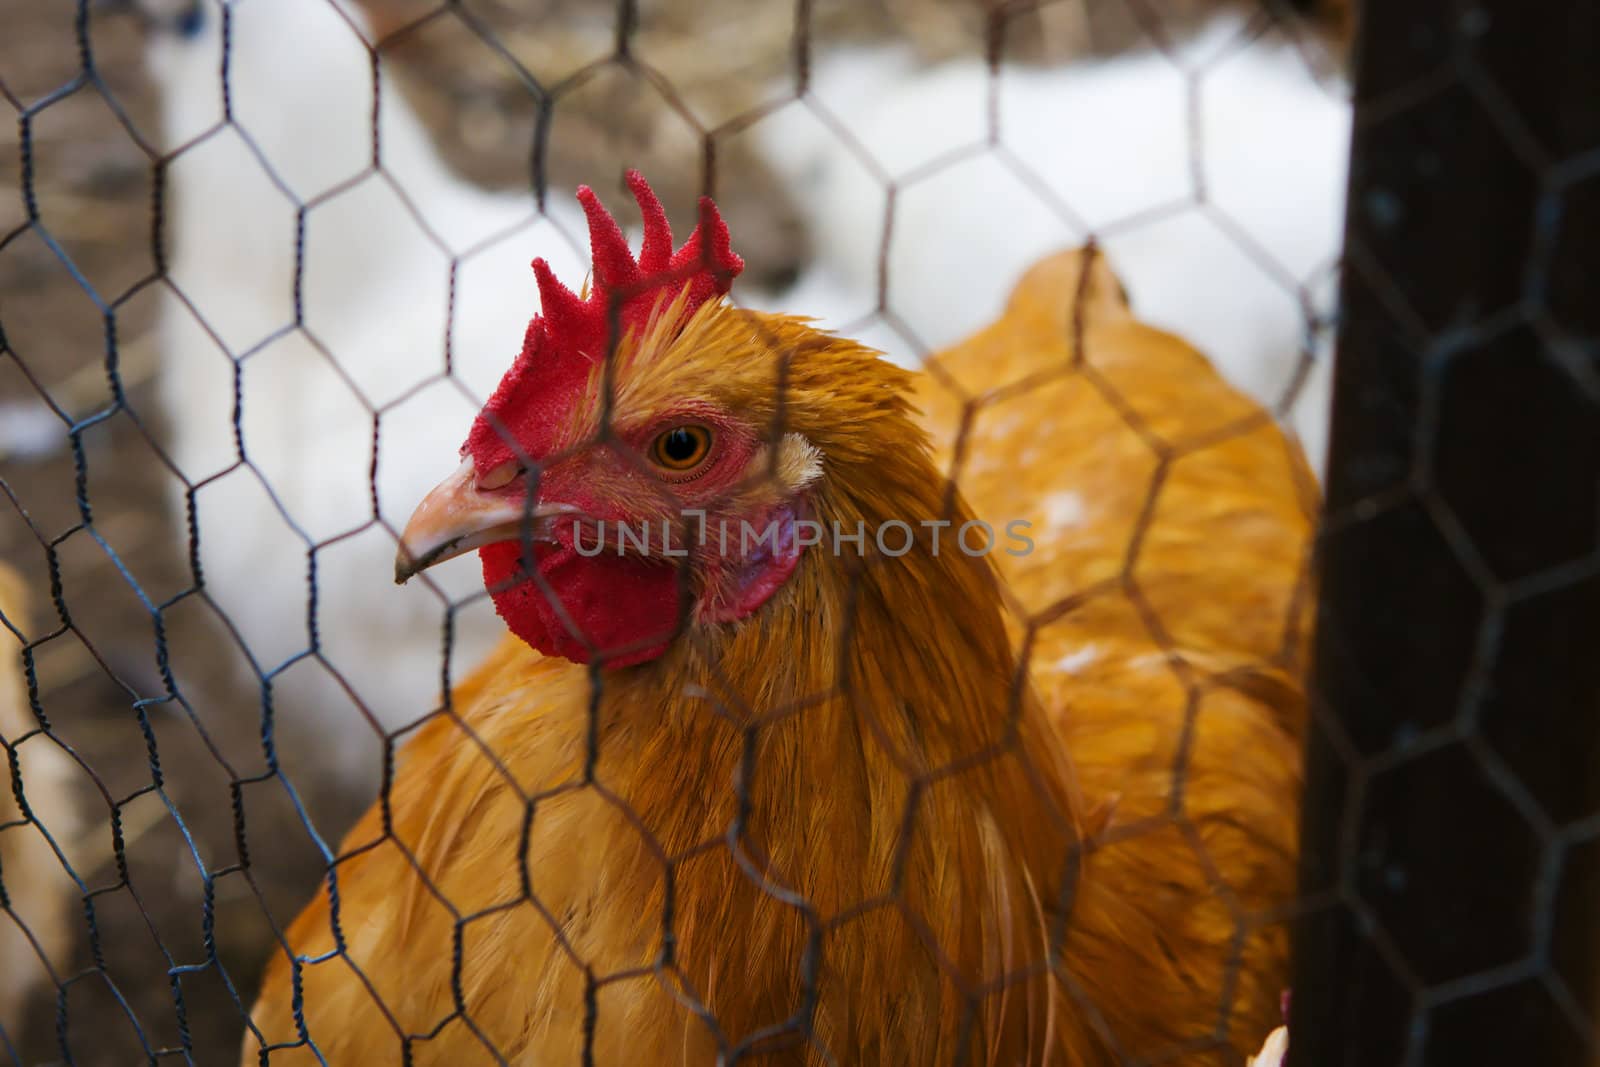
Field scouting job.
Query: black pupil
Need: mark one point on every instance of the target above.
(680, 446)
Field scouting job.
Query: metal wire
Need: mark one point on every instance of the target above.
(1448, 848)
(1450, 809)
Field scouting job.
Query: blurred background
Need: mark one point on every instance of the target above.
(209, 737)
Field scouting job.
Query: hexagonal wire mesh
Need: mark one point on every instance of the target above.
(1447, 872)
(334, 304)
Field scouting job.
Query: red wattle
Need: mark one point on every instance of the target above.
(627, 607)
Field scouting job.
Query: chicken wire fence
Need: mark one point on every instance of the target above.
(249, 315)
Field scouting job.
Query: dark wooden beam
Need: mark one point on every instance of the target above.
(1451, 838)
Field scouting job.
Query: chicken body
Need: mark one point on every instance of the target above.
(37, 888)
(1168, 596)
(305, 356)
(850, 828)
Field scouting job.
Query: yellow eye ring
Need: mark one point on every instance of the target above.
(681, 448)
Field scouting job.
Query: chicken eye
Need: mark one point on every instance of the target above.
(681, 448)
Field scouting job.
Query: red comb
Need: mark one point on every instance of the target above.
(571, 333)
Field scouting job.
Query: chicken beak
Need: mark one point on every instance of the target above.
(458, 516)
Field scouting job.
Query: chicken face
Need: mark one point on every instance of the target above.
(616, 488)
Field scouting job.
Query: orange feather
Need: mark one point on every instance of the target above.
(35, 924)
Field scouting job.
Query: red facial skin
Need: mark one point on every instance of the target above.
(615, 609)
(625, 609)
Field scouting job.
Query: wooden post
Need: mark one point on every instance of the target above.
(1451, 839)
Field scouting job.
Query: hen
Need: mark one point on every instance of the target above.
(863, 799)
(35, 888)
